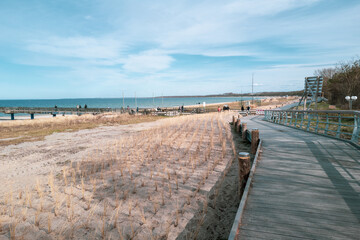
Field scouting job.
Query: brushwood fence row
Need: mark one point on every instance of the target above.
(246, 169)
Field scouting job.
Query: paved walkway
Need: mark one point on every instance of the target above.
(305, 187)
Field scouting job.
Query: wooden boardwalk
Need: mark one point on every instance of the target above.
(305, 186)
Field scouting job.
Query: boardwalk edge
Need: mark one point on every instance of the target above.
(239, 213)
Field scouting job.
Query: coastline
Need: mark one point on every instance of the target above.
(265, 103)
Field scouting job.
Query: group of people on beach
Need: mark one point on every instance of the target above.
(226, 107)
(79, 106)
(247, 108)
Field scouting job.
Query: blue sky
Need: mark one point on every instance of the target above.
(78, 49)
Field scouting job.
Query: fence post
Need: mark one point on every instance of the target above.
(243, 131)
(355, 134)
(327, 124)
(317, 123)
(244, 168)
(309, 122)
(254, 139)
(302, 120)
(296, 119)
(338, 132)
(238, 122)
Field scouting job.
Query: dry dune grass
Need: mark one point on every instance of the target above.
(145, 186)
(14, 132)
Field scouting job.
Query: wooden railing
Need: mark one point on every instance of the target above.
(338, 124)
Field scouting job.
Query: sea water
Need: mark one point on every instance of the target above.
(119, 102)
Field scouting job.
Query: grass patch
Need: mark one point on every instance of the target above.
(320, 106)
(19, 131)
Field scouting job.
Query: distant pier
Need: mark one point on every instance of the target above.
(55, 111)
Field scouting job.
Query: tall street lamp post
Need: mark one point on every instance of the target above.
(350, 99)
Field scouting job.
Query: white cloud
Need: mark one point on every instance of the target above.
(265, 7)
(287, 76)
(78, 47)
(226, 52)
(147, 62)
(224, 22)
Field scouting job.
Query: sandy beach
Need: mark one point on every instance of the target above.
(139, 181)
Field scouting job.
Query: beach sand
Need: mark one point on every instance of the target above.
(157, 179)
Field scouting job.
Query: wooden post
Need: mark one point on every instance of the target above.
(238, 122)
(244, 168)
(243, 130)
(233, 121)
(254, 139)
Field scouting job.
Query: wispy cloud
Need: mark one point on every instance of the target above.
(265, 7)
(78, 47)
(147, 62)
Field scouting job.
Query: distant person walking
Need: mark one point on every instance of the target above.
(248, 108)
(85, 106)
(242, 108)
(182, 108)
(219, 109)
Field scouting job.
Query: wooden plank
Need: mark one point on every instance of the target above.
(305, 182)
(296, 231)
(315, 207)
(323, 231)
(302, 215)
(258, 234)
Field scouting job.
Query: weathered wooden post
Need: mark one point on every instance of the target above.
(244, 168)
(254, 139)
(233, 121)
(243, 131)
(238, 122)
